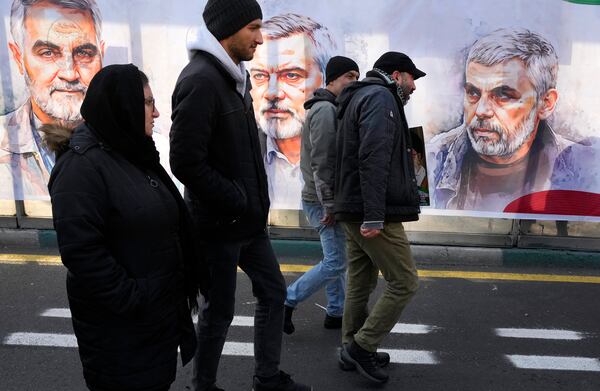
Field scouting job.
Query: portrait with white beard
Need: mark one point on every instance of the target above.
(285, 71)
(506, 147)
(57, 49)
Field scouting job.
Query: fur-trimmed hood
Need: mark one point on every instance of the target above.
(56, 137)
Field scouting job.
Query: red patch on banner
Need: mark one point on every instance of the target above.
(557, 202)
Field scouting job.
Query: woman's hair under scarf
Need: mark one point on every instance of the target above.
(113, 108)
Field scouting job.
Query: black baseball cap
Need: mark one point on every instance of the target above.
(396, 61)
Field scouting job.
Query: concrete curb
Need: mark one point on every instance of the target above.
(429, 255)
(309, 251)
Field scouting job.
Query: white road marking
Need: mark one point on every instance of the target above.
(69, 341)
(238, 349)
(541, 334)
(410, 328)
(57, 313)
(241, 321)
(403, 356)
(555, 363)
(41, 339)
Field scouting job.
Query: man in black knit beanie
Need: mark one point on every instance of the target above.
(215, 153)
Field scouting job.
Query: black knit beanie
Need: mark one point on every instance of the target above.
(337, 66)
(226, 17)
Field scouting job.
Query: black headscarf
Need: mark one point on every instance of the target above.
(113, 108)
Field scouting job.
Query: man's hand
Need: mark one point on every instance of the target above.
(328, 219)
(369, 232)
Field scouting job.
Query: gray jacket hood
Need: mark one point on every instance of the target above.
(201, 39)
(320, 95)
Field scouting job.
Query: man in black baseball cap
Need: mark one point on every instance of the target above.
(396, 61)
(375, 192)
(215, 153)
(401, 70)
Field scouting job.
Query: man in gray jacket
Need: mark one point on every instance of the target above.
(317, 162)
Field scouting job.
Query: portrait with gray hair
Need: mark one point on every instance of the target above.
(285, 71)
(57, 48)
(505, 147)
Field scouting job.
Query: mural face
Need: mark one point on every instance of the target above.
(284, 75)
(500, 109)
(58, 58)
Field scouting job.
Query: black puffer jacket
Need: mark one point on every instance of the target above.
(125, 243)
(375, 178)
(215, 151)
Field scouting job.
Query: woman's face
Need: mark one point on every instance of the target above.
(150, 109)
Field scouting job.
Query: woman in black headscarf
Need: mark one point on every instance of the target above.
(124, 236)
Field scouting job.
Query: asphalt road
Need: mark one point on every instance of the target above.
(457, 334)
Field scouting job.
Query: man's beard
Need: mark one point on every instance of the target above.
(504, 146)
(62, 108)
(241, 51)
(275, 127)
(404, 92)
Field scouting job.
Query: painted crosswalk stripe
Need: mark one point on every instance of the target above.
(404, 356)
(41, 339)
(240, 321)
(57, 313)
(230, 349)
(410, 328)
(541, 334)
(556, 363)
(69, 341)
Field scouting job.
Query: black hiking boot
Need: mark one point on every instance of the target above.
(364, 361)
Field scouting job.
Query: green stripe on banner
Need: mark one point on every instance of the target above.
(589, 2)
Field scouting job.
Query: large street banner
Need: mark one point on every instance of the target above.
(508, 112)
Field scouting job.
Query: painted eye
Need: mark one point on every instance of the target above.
(292, 76)
(46, 53)
(260, 76)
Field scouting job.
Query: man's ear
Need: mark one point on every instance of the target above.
(102, 48)
(17, 56)
(548, 103)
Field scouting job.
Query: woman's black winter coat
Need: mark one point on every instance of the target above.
(119, 234)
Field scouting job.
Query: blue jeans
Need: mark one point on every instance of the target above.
(330, 272)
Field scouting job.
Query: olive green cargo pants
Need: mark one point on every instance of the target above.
(388, 252)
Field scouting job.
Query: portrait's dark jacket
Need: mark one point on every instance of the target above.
(120, 235)
(215, 151)
(375, 178)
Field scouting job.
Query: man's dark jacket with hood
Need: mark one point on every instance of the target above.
(126, 240)
(374, 179)
(215, 151)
